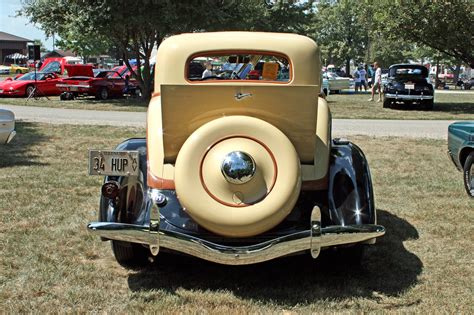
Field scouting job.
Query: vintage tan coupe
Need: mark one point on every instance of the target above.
(238, 165)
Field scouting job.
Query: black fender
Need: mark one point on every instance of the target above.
(127, 206)
(350, 192)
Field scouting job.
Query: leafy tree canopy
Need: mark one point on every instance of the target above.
(446, 26)
(134, 28)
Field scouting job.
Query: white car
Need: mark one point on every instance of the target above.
(7, 126)
(4, 69)
(336, 83)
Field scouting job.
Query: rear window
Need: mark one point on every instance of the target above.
(409, 71)
(254, 66)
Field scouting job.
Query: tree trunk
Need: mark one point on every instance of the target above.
(457, 70)
(437, 72)
(348, 67)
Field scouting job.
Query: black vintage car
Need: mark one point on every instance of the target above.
(408, 84)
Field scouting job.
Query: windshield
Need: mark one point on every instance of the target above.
(31, 76)
(53, 66)
(268, 67)
(105, 74)
(330, 75)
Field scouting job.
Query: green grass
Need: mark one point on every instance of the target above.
(456, 106)
(49, 262)
(447, 106)
(118, 104)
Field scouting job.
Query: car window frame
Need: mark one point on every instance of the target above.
(239, 52)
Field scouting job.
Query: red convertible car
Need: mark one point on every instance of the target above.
(103, 86)
(24, 85)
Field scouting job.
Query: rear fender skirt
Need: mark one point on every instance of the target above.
(350, 193)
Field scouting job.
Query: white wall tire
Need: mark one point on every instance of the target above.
(237, 210)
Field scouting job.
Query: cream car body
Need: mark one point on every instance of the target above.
(238, 165)
(7, 126)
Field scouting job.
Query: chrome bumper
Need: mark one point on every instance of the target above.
(313, 240)
(409, 97)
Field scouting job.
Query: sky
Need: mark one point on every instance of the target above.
(19, 26)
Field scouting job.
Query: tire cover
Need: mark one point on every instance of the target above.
(237, 210)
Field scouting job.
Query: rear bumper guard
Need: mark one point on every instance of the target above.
(313, 239)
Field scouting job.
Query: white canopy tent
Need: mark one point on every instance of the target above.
(15, 57)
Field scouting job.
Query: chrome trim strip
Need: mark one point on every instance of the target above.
(11, 136)
(240, 255)
(73, 85)
(409, 97)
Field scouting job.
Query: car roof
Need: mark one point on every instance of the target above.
(174, 53)
(407, 65)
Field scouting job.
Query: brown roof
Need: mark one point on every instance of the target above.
(65, 53)
(12, 38)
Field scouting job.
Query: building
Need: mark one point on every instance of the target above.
(10, 44)
(58, 53)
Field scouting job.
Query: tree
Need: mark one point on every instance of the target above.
(137, 28)
(445, 26)
(338, 26)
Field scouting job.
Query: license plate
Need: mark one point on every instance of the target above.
(1, 91)
(409, 86)
(73, 88)
(113, 163)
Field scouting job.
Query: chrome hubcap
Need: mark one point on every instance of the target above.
(238, 167)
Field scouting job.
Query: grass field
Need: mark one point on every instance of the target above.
(453, 106)
(119, 104)
(49, 263)
(447, 106)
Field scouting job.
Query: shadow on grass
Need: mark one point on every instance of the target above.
(454, 108)
(387, 268)
(17, 152)
(119, 102)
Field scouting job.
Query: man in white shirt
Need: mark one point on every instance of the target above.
(377, 83)
(208, 71)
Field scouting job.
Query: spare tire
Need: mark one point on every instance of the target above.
(225, 197)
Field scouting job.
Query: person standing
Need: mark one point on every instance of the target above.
(371, 75)
(363, 78)
(356, 75)
(377, 83)
(208, 71)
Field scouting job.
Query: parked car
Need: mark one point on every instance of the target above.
(408, 84)
(238, 170)
(57, 64)
(461, 151)
(122, 71)
(4, 69)
(25, 85)
(16, 69)
(336, 83)
(103, 85)
(465, 84)
(7, 126)
(325, 86)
